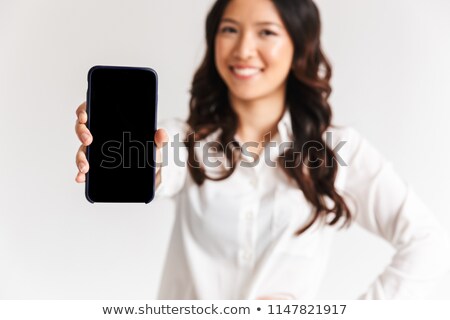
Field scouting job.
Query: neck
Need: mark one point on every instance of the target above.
(258, 117)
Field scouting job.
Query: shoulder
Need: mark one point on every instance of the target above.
(174, 126)
(344, 139)
(357, 156)
(177, 126)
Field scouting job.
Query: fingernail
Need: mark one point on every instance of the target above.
(85, 137)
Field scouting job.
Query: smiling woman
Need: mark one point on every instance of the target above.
(267, 55)
(260, 231)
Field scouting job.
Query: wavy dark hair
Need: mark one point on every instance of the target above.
(307, 92)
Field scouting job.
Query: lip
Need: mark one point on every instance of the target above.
(242, 77)
(242, 66)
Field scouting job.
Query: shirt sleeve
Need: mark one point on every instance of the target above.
(174, 159)
(388, 207)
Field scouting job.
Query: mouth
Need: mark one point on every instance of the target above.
(245, 72)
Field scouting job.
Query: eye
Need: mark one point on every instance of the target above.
(267, 32)
(228, 30)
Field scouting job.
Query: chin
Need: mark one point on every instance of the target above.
(246, 96)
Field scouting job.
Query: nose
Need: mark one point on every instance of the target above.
(245, 47)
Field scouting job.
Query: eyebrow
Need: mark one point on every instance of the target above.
(258, 23)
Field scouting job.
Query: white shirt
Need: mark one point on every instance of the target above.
(233, 239)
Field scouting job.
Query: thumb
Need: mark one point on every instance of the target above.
(161, 138)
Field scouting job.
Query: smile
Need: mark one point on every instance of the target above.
(245, 73)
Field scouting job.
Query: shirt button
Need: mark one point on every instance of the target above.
(247, 215)
(246, 255)
(254, 182)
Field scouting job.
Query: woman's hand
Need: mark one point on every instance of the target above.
(86, 139)
(277, 296)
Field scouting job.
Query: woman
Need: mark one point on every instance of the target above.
(246, 228)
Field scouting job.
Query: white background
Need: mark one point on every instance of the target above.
(391, 80)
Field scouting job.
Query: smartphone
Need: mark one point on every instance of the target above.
(121, 108)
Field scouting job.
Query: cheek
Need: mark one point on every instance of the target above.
(279, 55)
(221, 50)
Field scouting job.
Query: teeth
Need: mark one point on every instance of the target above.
(246, 71)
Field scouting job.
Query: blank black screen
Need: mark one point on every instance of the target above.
(122, 119)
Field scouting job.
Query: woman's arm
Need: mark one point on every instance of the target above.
(385, 205)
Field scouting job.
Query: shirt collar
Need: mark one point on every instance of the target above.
(284, 126)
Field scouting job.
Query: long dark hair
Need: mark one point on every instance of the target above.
(307, 92)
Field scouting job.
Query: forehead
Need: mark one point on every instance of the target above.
(252, 11)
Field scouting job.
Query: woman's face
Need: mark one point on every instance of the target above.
(253, 50)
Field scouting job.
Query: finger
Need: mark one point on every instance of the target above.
(158, 159)
(158, 177)
(81, 113)
(161, 137)
(83, 133)
(80, 178)
(81, 160)
(266, 298)
(277, 296)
